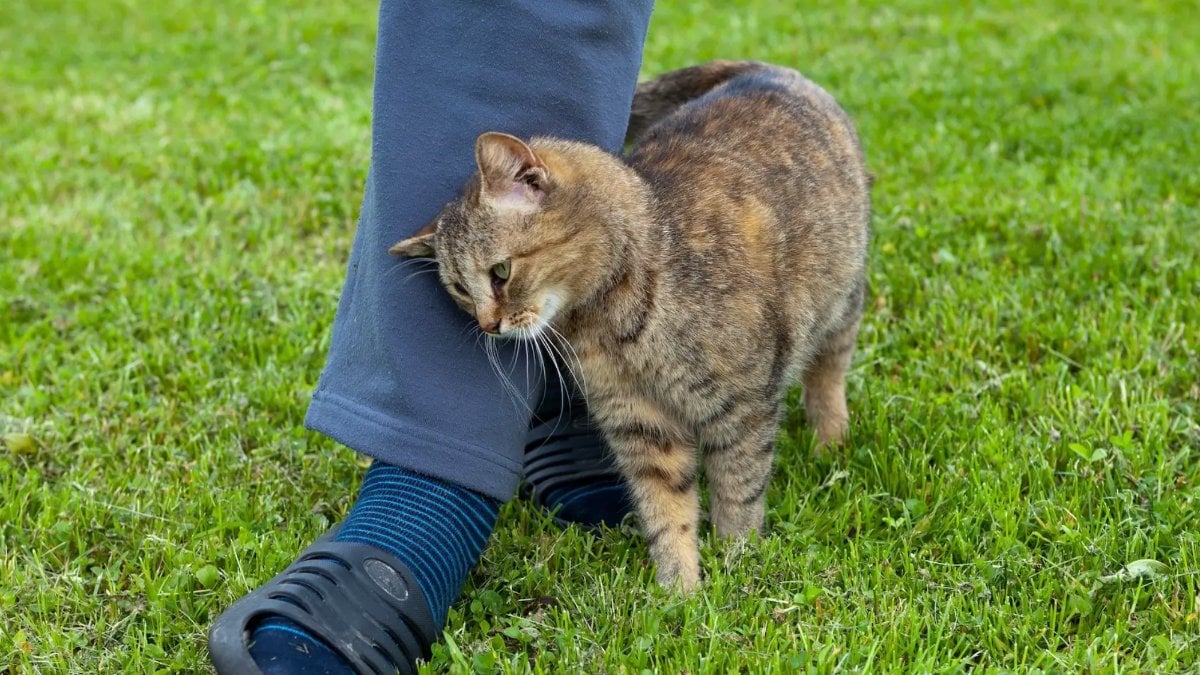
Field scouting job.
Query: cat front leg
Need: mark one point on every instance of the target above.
(738, 464)
(661, 473)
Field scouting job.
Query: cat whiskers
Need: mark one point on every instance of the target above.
(544, 349)
(576, 368)
(411, 262)
(489, 348)
(547, 350)
(558, 358)
(535, 349)
(526, 350)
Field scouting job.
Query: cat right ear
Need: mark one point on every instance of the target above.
(511, 173)
(420, 245)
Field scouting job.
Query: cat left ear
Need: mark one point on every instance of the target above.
(420, 245)
(511, 173)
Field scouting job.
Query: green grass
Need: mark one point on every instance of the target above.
(178, 189)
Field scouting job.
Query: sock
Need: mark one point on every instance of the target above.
(436, 528)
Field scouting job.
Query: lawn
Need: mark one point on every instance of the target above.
(179, 184)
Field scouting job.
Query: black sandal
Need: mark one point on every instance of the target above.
(562, 449)
(359, 600)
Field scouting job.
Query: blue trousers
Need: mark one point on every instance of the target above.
(406, 380)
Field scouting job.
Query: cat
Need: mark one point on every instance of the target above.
(693, 281)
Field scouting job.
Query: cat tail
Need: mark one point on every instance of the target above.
(659, 97)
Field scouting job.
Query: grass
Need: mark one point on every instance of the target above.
(179, 187)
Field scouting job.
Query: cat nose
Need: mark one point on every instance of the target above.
(492, 328)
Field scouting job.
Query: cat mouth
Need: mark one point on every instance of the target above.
(528, 326)
(531, 323)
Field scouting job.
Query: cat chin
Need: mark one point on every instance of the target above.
(530, 332)
(523, 333)
(551, 303)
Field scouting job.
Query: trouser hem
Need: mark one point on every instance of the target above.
(397, 442)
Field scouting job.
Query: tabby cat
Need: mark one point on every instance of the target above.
(694, 280)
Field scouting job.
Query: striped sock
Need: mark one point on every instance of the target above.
(437, 529)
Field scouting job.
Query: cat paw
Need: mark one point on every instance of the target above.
(682, 581)
(832, 433)
(736, 522)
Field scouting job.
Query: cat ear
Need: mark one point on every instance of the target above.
(512, 174)
(420, 245)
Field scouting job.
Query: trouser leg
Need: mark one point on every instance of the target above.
(406, 381)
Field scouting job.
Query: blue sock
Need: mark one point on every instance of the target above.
(435, 528)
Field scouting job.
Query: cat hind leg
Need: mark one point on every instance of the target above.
(824, 383)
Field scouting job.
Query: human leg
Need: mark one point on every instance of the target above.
(405, 380)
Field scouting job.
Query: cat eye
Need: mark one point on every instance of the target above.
(500, 272)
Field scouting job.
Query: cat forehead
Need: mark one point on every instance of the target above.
(454, 226)
(484, 224)
(468, 235)
(468, 227)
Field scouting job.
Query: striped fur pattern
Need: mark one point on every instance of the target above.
(693, 282)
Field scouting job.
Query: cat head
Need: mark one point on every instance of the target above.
(535, 231)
